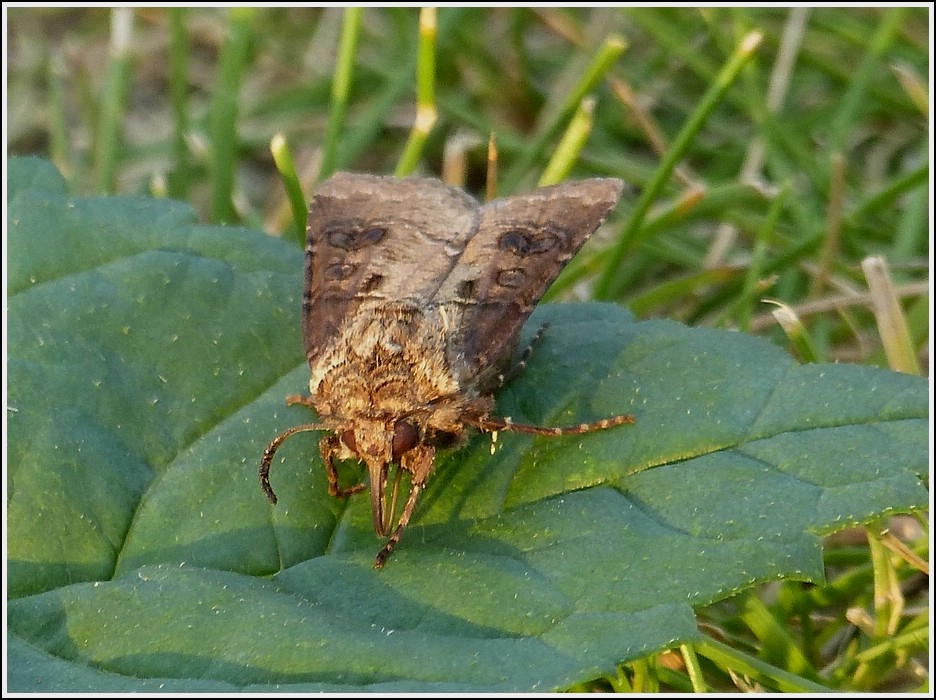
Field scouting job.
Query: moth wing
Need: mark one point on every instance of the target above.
(372, 239)
(521, 246)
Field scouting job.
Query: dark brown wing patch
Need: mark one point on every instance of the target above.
(521, 245)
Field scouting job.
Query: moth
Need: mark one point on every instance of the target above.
(413, 301)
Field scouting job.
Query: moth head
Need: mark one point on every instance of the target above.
(380, 442)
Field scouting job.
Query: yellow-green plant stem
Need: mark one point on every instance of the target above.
(426, 113)
(604, 59)
(569, 148)
(286, 166)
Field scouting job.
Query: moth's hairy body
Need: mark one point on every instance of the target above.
(413, 303)
(394, 359)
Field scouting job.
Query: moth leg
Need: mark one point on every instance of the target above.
(521, 364)
(293, 399)
(418, 462)
(329, 446)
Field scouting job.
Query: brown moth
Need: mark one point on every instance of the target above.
(413, 302)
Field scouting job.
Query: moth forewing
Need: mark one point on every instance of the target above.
(520, 247)
(378, 240)
(413, 302)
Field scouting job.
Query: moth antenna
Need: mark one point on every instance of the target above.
(502, 379)
(494, 424)
(521, 364)
(271, 449)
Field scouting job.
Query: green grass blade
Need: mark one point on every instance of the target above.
(341, 89)
(179, 48)
(114, 98)
(59, 148)
(779, 647)
(224, 112)
(857, 92)
(755, 669)
(748, 298)
(609, 285)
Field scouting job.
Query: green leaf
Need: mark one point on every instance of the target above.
(148, 361)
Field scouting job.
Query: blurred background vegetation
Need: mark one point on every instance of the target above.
(772, 154)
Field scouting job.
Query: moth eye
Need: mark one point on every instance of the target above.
(355, 239)
(522, 243)
(347, 437)
(466, 289)
(405, 437)
(512, 279)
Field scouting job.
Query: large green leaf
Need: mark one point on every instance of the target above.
(148, 361)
